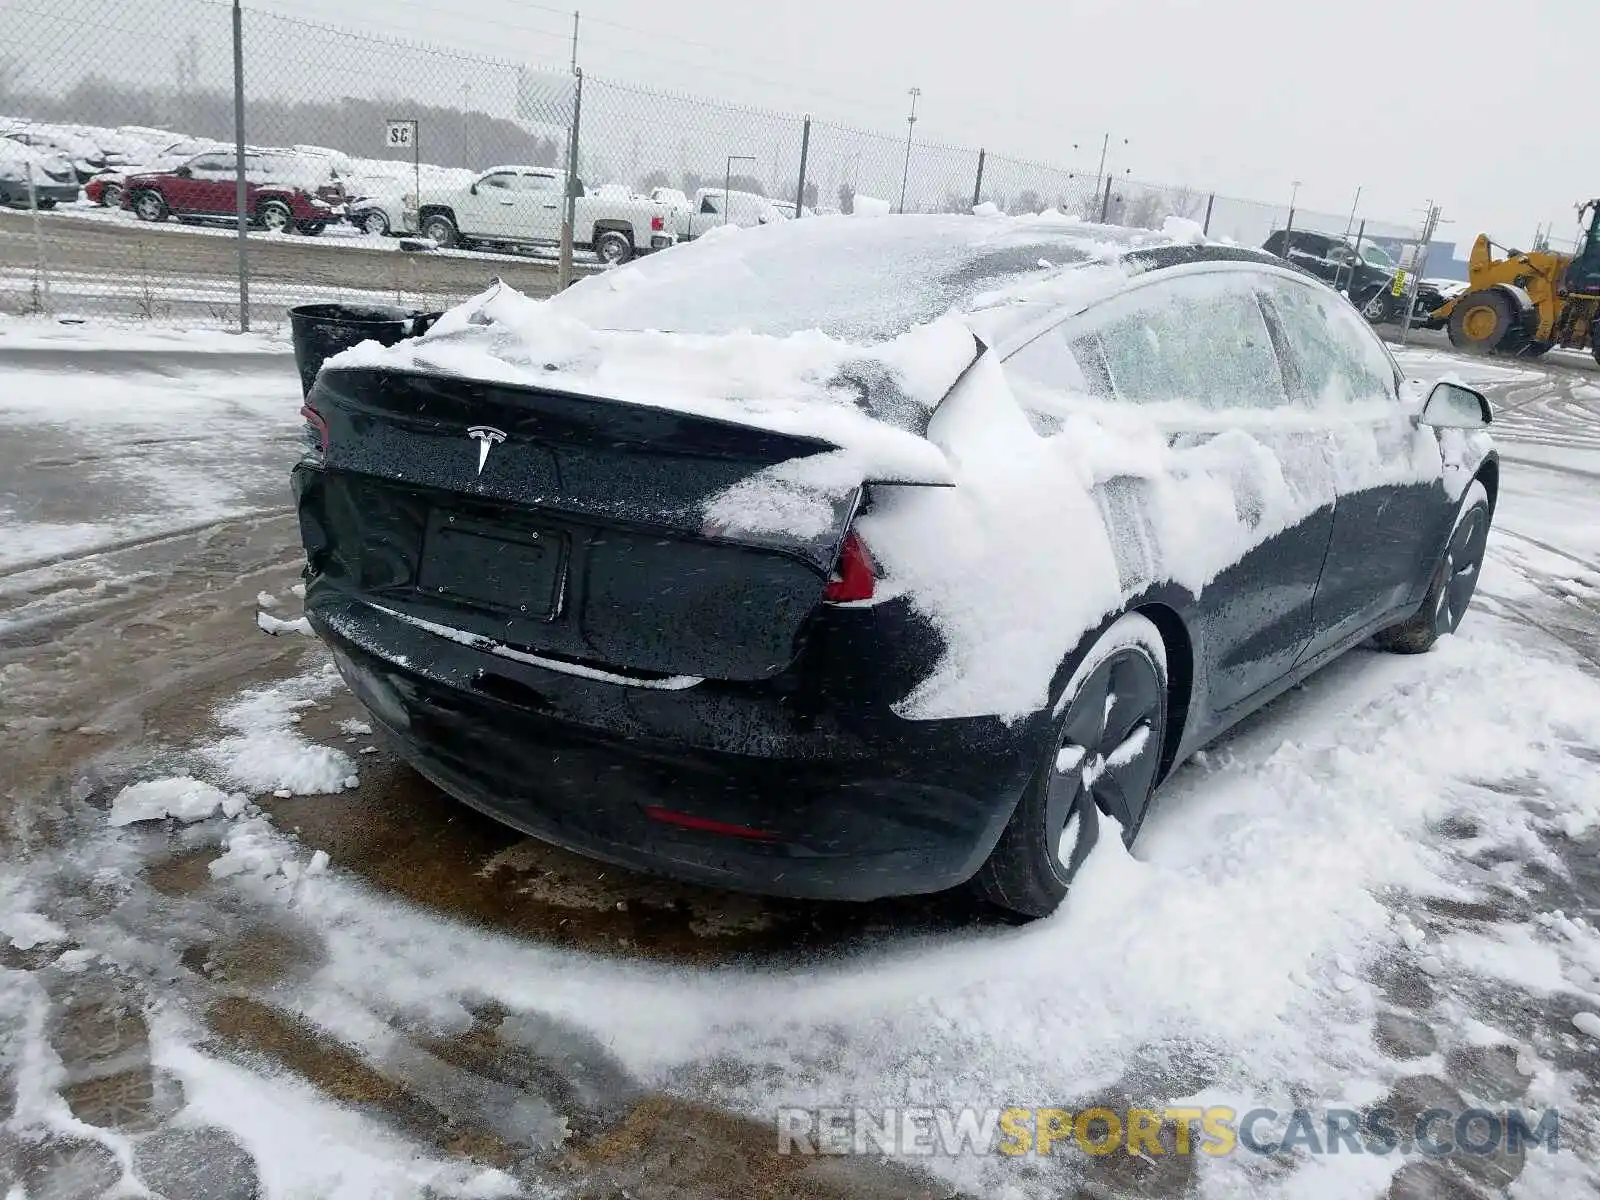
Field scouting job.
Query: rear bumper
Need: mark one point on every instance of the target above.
(773, 803)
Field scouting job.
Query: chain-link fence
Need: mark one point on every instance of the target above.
(377, 169)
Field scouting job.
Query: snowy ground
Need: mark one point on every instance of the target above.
(318, 977)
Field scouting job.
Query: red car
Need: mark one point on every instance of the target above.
(283, 192)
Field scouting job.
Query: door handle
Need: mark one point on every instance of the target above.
(552, 206)
(508, 201)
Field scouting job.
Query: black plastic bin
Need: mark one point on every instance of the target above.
(323, 330)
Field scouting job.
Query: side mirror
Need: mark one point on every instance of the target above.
(183, 172)
(1452, 406)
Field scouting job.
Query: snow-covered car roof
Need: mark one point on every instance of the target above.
(864, 281)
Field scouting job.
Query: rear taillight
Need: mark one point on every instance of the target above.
(316, 429)
(657, 224)
(855, 576)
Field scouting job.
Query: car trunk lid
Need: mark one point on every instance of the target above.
(560, 524)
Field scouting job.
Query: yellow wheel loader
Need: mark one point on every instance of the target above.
(1525, 304)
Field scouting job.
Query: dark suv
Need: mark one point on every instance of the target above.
(1367, 278)
(283, 192)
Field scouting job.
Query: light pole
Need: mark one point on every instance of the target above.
(727, 181)
(911, 125)
(1099, 175)
(1294, 193)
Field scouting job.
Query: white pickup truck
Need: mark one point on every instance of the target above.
(692, 218)
(522, 206)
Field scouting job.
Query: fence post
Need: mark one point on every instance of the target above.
(1211, 201)
(977, 184)
(1105, 202)
(570, 216)
(240, 201)
(41, 263)
(805, 150)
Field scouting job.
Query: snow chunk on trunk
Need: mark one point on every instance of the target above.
(872, 400)
(183, 797)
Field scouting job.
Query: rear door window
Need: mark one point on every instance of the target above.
(1334, 358)
(1198, 339)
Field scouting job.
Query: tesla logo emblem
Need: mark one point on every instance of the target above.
(486, 436)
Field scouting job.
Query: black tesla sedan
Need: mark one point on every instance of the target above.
(849, 558)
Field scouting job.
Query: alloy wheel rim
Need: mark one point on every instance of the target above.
(1107, 757)
(148, 208)
(375, 223)
(1462, 560)
(611, 251)
(274, 220)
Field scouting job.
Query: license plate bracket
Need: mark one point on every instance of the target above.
(508, 569)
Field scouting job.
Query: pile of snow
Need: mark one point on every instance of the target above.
(183, 797)
(801, 383)
(25, 930)
(266, 754)
(870, 206)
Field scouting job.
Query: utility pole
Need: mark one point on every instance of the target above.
(911, 125)
(1105, 146)
(574, 41)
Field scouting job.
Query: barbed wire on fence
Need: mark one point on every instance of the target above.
(355, 137)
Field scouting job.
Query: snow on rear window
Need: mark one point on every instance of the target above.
(854, 280)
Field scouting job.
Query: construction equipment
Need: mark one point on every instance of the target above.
(1527, 303)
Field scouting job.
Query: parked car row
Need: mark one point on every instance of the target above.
(28, 175)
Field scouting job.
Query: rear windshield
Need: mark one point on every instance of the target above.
(859, 279)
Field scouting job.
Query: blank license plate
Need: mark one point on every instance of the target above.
(511, 570)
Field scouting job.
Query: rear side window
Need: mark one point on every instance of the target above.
(1199, 339)
(1333, 357)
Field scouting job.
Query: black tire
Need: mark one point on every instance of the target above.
(275, 216)
(440, 229)
(1381, 308)
(375, 223)
(613, 247)
(1454, 579)
(46, 205)
(1482, 321)
(311, 228)
(1102, 760)
(149, 206)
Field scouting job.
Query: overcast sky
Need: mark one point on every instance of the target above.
(1487, 107)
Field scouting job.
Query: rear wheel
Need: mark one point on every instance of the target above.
(1454, 580)
(149, 206)
(275, 216)
(1102, 761)
(1481, 322)
(111, 195)
(613, 246)
(440, 229)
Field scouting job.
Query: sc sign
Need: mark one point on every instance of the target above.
(400, 135)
